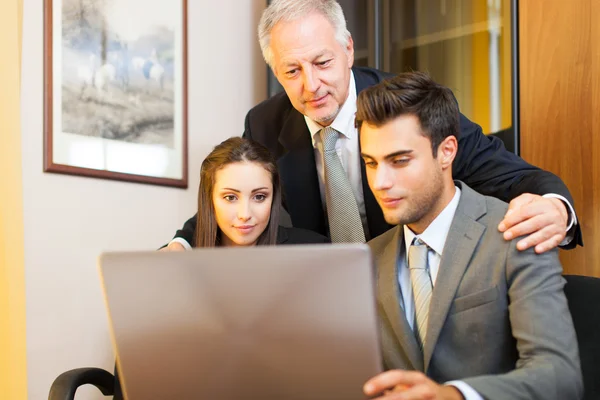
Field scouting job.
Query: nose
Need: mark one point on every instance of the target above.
(381, 178)
(243, 211)
(311, 80)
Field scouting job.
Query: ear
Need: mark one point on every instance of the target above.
(350, 52)
(447, 152)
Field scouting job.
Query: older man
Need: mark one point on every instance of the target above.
(310, 129)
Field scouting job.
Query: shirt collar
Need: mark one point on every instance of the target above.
(344, 121)
(436, 233)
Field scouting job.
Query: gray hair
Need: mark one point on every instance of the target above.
(290, 10)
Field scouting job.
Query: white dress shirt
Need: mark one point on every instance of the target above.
(435, 238)
(347, 148)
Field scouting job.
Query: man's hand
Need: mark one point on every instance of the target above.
(173, 246)
(408, 385)
(543, 219)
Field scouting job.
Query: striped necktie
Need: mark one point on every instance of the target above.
(421, 286)
(345, 225)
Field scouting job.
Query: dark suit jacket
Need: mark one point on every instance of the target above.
(482, 162)
(299, 236)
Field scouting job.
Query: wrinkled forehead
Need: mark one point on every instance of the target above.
(305, 36)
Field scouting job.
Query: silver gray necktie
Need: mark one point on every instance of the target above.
(345, 225)
(421, 286)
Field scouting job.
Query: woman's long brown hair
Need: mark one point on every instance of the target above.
(232, 150)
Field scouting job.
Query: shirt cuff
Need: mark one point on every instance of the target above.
(182, 242)
(467, 391)
(572, 218)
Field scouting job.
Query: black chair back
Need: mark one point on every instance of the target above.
(583, 295)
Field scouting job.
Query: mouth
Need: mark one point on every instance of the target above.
(318, 101)
(244, 229)
(389, 202)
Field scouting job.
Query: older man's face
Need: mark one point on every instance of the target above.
(312, 66)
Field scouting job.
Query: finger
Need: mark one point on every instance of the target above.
(419, 392)
(392, 378)
(399, 388)
(175, 246)
(538, 215)
(521, 201)
(540, 236)
(552, 209)
(532, 225)
(385, 381)
(390, 396)
(549, 244)
(521, 214)
(515, 217)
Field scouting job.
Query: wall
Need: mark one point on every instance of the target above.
(13, 379)
(560, 108)
(69, 220)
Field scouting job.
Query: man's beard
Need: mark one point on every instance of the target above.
(422, 204)
(327, 118)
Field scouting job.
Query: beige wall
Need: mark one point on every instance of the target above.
(69, 220)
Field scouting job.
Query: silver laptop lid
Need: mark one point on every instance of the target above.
(276, 322)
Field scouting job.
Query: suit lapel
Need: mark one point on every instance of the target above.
(302, 197)
(463, 237)
(389, 295)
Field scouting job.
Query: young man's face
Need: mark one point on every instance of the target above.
(312, 66)
(405, 177)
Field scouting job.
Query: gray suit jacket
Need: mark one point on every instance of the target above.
(498, 320)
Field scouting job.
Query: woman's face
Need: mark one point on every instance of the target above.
(242, 197)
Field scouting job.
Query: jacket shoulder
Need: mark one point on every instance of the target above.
(300, 236)
(379, 243)
(272, 111)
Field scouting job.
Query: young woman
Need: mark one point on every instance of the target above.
(239, 203)
(239, 199)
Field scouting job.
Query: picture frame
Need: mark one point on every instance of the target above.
(115, 90)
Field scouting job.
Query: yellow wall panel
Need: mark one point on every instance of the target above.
(13, 372)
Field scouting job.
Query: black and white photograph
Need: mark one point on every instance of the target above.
(115, 81)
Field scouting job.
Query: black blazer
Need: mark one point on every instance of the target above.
(482, 162)
(299, 236)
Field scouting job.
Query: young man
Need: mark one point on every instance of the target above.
(311, 53)
(464, 313)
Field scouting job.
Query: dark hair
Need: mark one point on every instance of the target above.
(413, 93)
(232, 150)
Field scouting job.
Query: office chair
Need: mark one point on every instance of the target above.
(67, 383)
(583, 296)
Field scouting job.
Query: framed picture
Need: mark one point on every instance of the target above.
(115, 90)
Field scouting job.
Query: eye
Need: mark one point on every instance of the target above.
(324, 63)
(230, 197)
(370, 164)
(260, 197)
(400, 161)
(291, 72)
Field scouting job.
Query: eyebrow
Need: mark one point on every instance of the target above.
(287, 64)
(392, 155)
(237, 191)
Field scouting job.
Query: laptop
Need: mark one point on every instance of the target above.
(264, 322)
